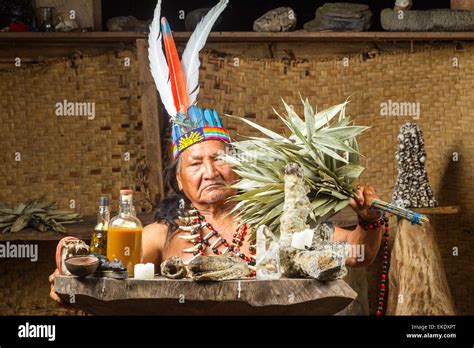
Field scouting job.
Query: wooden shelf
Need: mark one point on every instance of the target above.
(130, 37)
(82, 230)
(454, 209)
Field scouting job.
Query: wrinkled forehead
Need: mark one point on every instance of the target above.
(205, 149)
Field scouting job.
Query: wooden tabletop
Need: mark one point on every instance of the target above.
(162, 296)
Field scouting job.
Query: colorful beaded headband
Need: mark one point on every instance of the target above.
(208, 126)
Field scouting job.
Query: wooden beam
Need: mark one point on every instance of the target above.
(237, 36)
(151, 124)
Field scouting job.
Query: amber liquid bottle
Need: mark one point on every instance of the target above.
(124, 237)
(99, 237)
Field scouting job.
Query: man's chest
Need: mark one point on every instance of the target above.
(212, 243)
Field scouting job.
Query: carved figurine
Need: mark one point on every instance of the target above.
(69, 247)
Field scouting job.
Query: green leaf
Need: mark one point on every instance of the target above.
(254, 176)
(350, 171)
(294, 119)
(20, 223)
(264, 130)
(309, 119)
(19, 208)
(325, 116)
(341, 205)
(345, 132)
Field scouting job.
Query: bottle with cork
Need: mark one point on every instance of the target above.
(99, 237)
(124, 239)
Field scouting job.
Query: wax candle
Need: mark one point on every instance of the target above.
(144, 271)
(302, 239)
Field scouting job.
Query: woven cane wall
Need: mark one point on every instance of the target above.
(71, 157)
(248, 87)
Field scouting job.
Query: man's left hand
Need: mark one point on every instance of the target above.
(362, 206)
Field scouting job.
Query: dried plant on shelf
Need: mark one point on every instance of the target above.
(35, 213)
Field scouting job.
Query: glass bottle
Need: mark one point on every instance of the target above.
(45, 19)
(99, 237)
(124, 238)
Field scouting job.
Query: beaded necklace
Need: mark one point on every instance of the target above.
(201, 241)
(382, 222)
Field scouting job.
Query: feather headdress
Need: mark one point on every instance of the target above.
(177, 81)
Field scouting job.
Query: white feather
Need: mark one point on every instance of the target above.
(158, 64)
(190, 60)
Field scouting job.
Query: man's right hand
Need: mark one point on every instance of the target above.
(53, 294)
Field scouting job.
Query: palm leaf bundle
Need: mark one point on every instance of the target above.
(324, 145)
(36, 213)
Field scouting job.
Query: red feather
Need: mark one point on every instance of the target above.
(178, 86)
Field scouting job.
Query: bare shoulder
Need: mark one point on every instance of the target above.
(154, 230)
(153, 241)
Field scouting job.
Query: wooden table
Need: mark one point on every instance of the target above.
(161, 296)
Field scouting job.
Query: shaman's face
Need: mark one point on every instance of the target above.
(202, 176)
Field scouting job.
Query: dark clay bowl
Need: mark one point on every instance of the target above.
(82, 266)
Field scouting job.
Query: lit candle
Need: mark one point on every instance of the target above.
(144, 271)
(302, 239)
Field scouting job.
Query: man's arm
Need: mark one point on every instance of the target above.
(368, 241)
(153, 242)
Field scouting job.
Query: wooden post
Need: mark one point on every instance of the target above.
(417, 281)
(151, 124)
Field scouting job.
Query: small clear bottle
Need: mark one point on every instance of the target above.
(124, 240)
(268, 255)
(99, 237)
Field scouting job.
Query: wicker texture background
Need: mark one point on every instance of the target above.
(70, 157)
